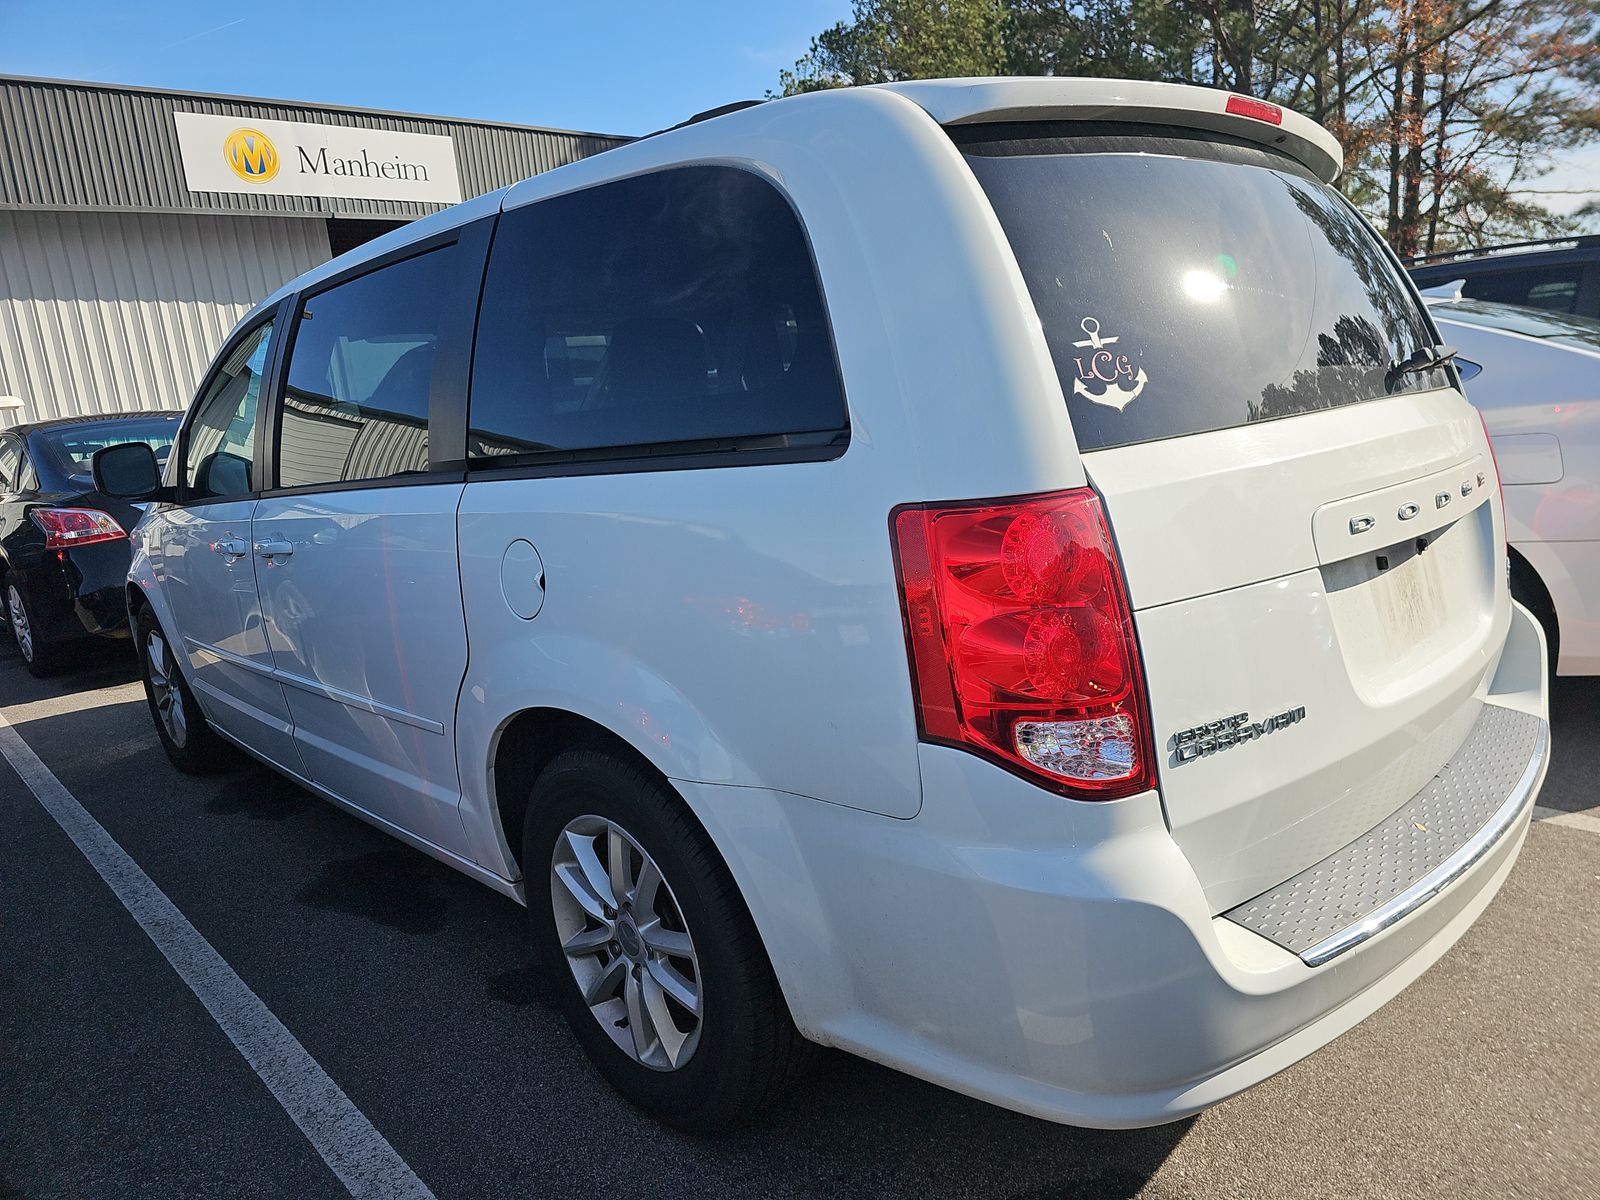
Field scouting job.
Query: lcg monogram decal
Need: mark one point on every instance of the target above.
(1107, 369)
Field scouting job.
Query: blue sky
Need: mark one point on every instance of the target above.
(622, 66)
(612, 66)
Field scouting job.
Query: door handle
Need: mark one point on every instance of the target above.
(274, 548)
(231, 548)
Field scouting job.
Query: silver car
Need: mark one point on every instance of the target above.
(1540, 398)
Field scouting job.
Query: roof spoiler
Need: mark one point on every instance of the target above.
(987, 101)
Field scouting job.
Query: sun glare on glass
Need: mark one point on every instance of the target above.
(1203, 286)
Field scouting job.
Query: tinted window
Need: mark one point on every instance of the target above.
(1187, 285)
(222, 435)
(1552, 288)
(70, 450)
(360, 370)
(675, 307)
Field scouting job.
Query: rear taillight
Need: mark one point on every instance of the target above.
(1494, 462)
(1493, 458)
(1021, 640)
(68, 527)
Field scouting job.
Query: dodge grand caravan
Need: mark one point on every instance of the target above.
(996, 576)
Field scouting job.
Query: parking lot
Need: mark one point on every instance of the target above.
(414, 990)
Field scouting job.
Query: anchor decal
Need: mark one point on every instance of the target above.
(1106, 368)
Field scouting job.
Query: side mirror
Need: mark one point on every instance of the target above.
(126, 472)
(1468, 368)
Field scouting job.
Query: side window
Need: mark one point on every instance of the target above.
(360, 370)
(1552, 288)
(219, 457)
(677, 307)
(27, 477)
(10, 456)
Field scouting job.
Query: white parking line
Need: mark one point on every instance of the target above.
(1568, 820)
(354, 1150)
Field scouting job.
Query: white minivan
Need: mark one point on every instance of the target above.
(991, 575)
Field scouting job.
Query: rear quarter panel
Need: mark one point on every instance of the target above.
(734, 626)
(1541, 403)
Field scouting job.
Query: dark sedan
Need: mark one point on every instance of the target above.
(64, 548)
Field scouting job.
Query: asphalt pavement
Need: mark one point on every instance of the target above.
(415, 991)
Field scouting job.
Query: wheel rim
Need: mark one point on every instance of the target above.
(626, 943)
(19, 622)
(162, 675)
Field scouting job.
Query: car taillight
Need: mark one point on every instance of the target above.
(67, 527)
(1021, 640)
(1494, 461)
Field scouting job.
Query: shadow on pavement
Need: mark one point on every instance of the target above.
(95, 663)
(392, 887)
(854, 1127)
(1574, 744)
(259, 794)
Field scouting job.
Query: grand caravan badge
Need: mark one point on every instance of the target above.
(1101, 373)
(1190, 744)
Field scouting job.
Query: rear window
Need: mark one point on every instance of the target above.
(1552, 288)
(1186, 284)
(70, 449)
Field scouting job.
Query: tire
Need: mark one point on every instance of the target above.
(191, 744)
(1528, 590)
(41, 658)
(740, 1053)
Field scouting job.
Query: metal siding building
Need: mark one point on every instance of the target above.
(118, 282)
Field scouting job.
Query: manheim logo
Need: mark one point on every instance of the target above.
(251, 154)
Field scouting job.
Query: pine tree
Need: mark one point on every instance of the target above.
(1449, 111)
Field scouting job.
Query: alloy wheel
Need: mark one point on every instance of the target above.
(19, 622)
(162, 673)
(626, 943)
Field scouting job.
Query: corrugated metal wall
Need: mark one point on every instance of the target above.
(84, 145)
(111, 312)
(112, 295)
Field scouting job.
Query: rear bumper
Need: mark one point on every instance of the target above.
(1060, 959)
(102, 613)
(1403, 862)
(63, 615)
(82, 595)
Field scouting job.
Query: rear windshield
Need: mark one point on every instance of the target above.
(1187, 284)
(69, 449)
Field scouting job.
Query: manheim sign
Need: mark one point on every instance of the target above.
(293, 158)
